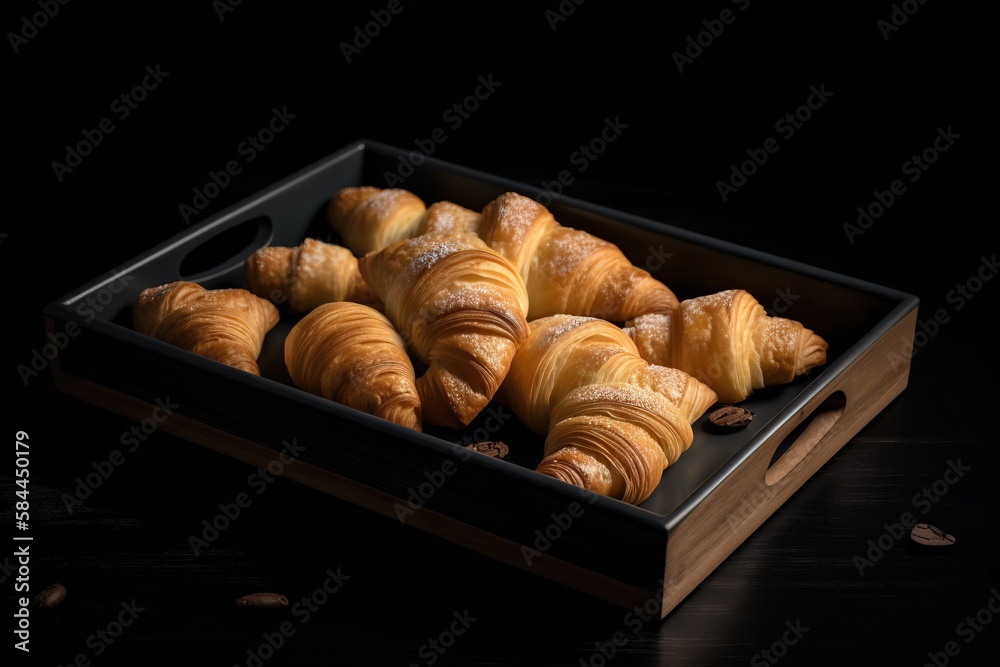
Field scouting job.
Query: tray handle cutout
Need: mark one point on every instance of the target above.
(803, 439)
(214, 255)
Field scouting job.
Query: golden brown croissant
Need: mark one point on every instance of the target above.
(228, 325)
(612, 421)
(462, 309)
(565, 270)
(350, 353)
(307, 275)
(369, 218)
(445, 217)
(728, 341)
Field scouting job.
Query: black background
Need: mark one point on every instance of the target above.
(557, 84)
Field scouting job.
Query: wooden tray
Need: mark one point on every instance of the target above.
(651, 555)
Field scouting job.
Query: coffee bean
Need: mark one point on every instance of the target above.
(496, 449)
(51, 597)
(262, 601)
(925, 533)
(730, 417)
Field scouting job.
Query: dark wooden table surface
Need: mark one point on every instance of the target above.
(831, 578)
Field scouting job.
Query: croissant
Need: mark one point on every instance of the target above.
(228, 325)
(728, 341)
(612, 421)
(310, 274)
(461, 307)
(369, 218)
(565, 270)
(350, 354)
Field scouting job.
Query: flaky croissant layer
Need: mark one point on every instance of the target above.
(350, 353)
(307, 275)
(728, 341)
(461, 307)
(566, 270)
(612, 421)
(227, 325)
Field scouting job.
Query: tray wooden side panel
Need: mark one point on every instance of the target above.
(738, 505)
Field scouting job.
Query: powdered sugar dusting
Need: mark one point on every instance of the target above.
(446, 217)
(515, 215)
(434, 249)
(383, 202)
(572, 248)
(616, 393)
(555, 326)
